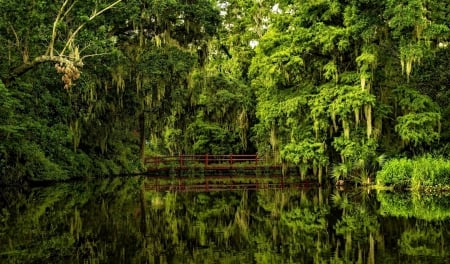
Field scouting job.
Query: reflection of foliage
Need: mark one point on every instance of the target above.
(394, 204)
(422, 207)
(358, 225)
(295, 223)
(272, 202)
(422, 243)
(305, 220)
(103, 221)
(426, 237)
(115, 221)
(61, 222)
(359, 222)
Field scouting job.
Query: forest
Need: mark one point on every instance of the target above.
(90, 88)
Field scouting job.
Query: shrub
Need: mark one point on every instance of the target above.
(417, 173)
(395, 172)
(430, 172)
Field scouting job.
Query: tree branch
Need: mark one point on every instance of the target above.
(68, 9)
(55, 23)
(94, 55)
(71, 60)
(25, 67)
(15, 36)
(94, 15)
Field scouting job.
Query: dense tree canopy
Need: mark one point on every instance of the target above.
(89, 88)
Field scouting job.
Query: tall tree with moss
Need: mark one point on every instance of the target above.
(160, 45)
(327, 75)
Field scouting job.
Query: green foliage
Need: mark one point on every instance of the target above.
(419, 128)
(211, 138)
(305, 152)
(8, 105)
(421, 120)
(138, 58)
(430, 172)
(423, 172)
(221, 115)
(345, 68)
(395, 172)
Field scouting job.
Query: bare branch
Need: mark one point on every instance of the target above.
(94, 55)
(85, 47)
(55, 23)
(68, 9)
(104, 9)
(94, 15)
(15, 36)
(72, 38)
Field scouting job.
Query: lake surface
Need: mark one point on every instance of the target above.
(118, 221)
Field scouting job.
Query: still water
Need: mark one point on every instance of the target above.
(117, 221)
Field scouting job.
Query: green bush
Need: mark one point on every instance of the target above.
(431, 172)
(416, 173)
(39, 167)
(395, 172)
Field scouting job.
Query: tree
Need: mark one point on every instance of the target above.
(32, 35)
(327, 74)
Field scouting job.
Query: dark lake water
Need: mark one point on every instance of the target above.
(118, 221)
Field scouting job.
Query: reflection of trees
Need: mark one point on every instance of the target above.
(115, 221)
(263, 226)
(73, 222)
(422, 242)
(427, 207)
(358, 227)
(425, 226)
(290, 226)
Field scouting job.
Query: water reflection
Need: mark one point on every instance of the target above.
(118, 221)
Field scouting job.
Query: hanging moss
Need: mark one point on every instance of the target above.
(76, 133)
(368, 114)
(118, 78)
(357, 119)
(273, 139)
(346, 128)
(244, 126)
(333, 119)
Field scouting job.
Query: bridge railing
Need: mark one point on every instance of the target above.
(207, 160)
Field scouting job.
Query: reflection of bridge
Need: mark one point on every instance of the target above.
(225, 183)
(209, 185)
(212, 164)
